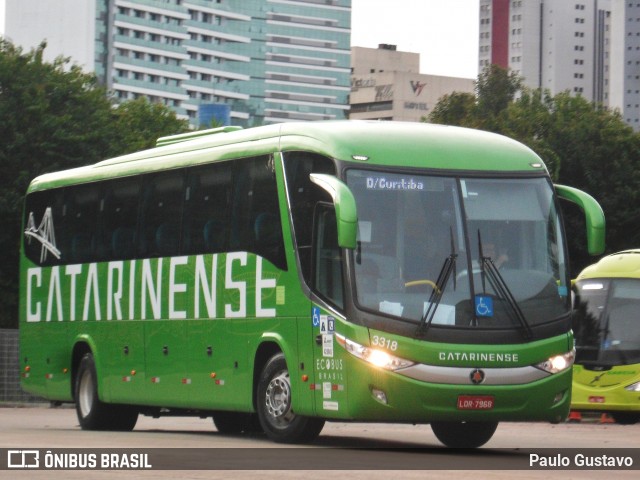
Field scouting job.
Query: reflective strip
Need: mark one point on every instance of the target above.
(462, 375)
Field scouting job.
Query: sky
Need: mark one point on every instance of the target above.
(443, 32)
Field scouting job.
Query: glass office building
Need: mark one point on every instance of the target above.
(267, 60)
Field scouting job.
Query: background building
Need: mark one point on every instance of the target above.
(588, 47)
(386, 85)
(255, 61)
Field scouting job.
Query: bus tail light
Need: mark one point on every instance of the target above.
(374, 356)
(558, 363)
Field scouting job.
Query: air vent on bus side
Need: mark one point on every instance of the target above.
(183, 137)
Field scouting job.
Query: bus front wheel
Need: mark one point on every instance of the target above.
(273, 403)
(464, 434)
(94, 414)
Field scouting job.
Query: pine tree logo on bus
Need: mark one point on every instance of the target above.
(45, 234)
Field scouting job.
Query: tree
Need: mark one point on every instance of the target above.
(54, 116)
(457, 108)
(140, 123)
(495, 89)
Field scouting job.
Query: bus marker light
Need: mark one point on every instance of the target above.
(379, 395)
(634, 387)
(133, 372)
(27, 368)
(213, 375)
(305, 378)
(65, 370)
(559, 396)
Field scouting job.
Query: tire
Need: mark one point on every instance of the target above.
(231, 423)
(94, 414)
(464, 434)
(273, 404)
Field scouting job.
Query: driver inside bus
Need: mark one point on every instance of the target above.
(497, 255)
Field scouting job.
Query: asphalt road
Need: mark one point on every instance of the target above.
(365, 450)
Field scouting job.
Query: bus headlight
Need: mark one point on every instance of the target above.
(634, 387)
(558, 363)
(374, 356)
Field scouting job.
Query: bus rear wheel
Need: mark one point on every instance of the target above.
(94, 414)
(464, 434)
(273, 403)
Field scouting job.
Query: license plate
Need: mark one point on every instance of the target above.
(475, 402)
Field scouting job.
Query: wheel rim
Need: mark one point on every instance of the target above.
(278, 400)
(85, 394)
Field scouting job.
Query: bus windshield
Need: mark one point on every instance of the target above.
(605, 321)
(458, 252)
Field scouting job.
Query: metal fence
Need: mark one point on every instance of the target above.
(10, 391)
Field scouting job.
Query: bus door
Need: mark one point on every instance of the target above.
(329, 379)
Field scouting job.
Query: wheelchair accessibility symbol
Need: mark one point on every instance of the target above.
(484, 306)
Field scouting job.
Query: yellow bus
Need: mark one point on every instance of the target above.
(606, 325)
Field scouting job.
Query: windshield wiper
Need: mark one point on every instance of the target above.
(448, 267)
(496, 280)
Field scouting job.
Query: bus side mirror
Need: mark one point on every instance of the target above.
(593, 214)
(345, 205)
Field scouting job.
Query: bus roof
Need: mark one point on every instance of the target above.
(625, 264)
(398, 144)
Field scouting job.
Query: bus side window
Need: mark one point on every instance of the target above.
(78, 238)
(303, 197)
(119, 218)
(206, 209)
(161, 216)
(256, 224)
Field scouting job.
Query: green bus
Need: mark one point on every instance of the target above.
(278, 277)
(606, 373)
